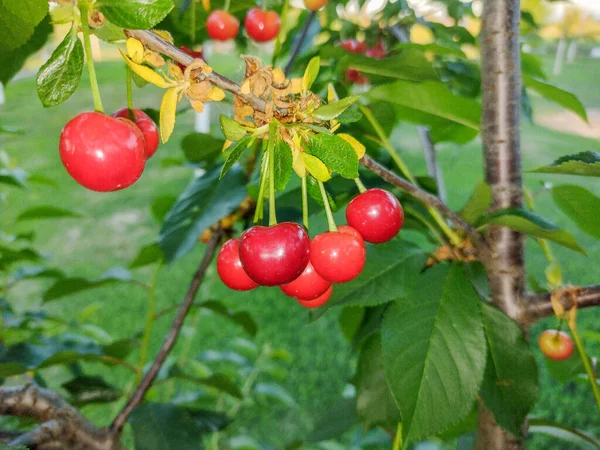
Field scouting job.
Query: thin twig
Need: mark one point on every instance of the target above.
(537, 306)
(171, 337)
(290, 65)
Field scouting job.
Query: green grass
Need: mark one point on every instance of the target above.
(115, 225)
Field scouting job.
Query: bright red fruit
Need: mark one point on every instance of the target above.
(308, 286)
(376, 214)
(338, 257)
(314, 5)
(353, 46)
(222, 26)
(146, 126)
(556, 345)
(230, 268)
(320, 301)
(349, 230)
(262, 26)
(275, 255)
(102, 153)
(377, 52)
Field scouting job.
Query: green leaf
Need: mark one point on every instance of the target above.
(335, 152)
(429, 97)
(333, 110)
(531, 224)
(15, 177)
(434, 351)
(166, 426)
(85, 390)
(204, 202)
(147, 255)
(31, 11)
(201, 148)
(581, 440)
(567, 369)
(46, 212)
(390, 272)
(236, 152)
(111, 33)
(13, 60)
(510, 385)
(563, 98)
(581, 206)
(70, 286)
(242, 318)
(136, 14)
(161, 206)
(478, 203)
(273, 391)
(59, 77)
(374, 401)
(232, 130)
(586, 164)
(283, 164)
(311, 73)
(315, 193)
(410, 65)
(334, 421)
(216, 381)
(17, 28)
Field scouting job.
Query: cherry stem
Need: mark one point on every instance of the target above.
(361, 187)
(328, 212)
(129, 94)
(83, 9)
(271, 152)
(263, 184)
(586, 363)
(304, 202)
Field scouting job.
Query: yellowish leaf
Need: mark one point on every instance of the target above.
(226, 145)
(278, 76)
(135, 50)
(357, 146)
(175, 71)
(147, 73)
(296, 85)
(216, 94)
(315, 167)
(206, 5)
(245, 89)
(165, 35)
(197, 105)
(331, 94)
(311, 73)
(154, 59)
(168, 110)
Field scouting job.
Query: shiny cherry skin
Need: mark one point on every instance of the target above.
(308, 286)
(262, 26)
(555, 345)
(193, 53)
(102, 153)
(377, 52)
(376, 214)
(353, 46)
(222, 26)
(319, 301)
(230, 270)
(275, 255)
(314, 5)
(338, 257)
(146, 126)
(349, 230)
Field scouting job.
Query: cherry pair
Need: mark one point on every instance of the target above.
(261, 25)
(107, 153)
(353, 46)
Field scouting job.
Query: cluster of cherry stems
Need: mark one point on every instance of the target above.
(283, 255)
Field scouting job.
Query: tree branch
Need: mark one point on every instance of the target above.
(171, 337)
(62, 426)
(538, 305)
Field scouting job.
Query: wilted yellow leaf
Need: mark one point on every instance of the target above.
(135, 50)
(168, 110)
(165, 35)
(278, 75)
(331, 94)
(206, 5)
(147, 73)
(216, 94)
(154, 59)
(226, 145)
(315, 167)
(197, 105)
(296, 85)
(357, 146)
(245, 89)
(175, 71)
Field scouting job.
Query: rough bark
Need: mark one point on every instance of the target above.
(501, 87)
(538, 306)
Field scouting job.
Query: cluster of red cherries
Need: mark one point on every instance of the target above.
(378, 51)
(283, 255)
(107, 153)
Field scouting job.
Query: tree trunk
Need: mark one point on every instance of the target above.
(501, 87)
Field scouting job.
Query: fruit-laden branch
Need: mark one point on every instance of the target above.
(538, 306)
(61, 425)
(171, 337)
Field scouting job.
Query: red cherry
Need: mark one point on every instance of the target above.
(353, 46)
(337, 257)
(222, 26)
(230, 270)
(275, 255)
(262, 26)
(349, 230)
(314, 5)
(377, 52)
(354, 76)
(376, 214)
(308, 286)
(146, 126)
(193, 53)
(556, 345)
(320, 301)
(102, 153)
